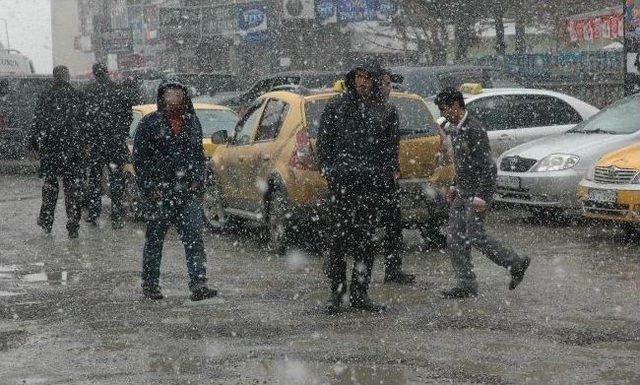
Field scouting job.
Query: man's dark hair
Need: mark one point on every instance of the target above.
(100, 70)
(60, 74)
(448, 96)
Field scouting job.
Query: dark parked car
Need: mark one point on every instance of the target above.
(306, 79)
(427, 81)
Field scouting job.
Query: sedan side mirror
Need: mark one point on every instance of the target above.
(220, 137)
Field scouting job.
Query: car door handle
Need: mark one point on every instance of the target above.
(241, 158)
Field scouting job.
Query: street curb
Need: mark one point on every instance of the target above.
(18, 167)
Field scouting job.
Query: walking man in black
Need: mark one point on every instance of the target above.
(56, 139)
(390, 214)
(108, 120)
(470, 197)
(354, 156)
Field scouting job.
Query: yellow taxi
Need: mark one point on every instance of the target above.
(611, 190)
(266, 171)
(213, 118)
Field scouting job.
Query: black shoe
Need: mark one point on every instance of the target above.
(458, 292)
(203, 293)
(399, 277)
(45, 228)
(334, 303)
(152, 293)
(517, 274)
(365, 304)
(92, 222)
(117, 225)
(73, 233)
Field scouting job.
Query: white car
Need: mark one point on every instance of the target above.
(513, 116)
(543, 175)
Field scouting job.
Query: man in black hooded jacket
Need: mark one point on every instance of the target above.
(56, 139)
(108, 116)
(169, 161)
(355, 152)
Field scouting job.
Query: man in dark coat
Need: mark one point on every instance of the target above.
(108, 119)
(169, 161)
(356, 158)
(390, 214)
(56, 139)
(470, 196)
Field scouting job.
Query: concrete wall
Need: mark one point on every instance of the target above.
(65, 26)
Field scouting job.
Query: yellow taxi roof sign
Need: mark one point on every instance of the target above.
(471, 88)
(338, 86)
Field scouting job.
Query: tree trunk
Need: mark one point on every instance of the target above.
(521, 44)
(499, 24)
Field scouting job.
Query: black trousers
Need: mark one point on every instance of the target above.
(353, 214)
(390, 219)
(93, 193)
(72, 199)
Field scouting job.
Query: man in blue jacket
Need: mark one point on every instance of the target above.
(169, 163)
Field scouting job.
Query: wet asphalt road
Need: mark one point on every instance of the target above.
(71, 311)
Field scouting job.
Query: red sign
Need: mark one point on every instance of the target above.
(596, 28)
(131, 61)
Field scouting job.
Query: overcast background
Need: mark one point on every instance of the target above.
(29, 25)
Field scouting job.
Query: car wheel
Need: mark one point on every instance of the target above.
(632, 231)
(434, 235)
(213, 206)
(278, 221)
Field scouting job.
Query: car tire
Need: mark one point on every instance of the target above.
(632, 231)
(278, 222)
(434, 234)
(213, 207)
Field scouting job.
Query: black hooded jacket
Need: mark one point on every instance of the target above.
(166, 162)
(357, 138)
(56, 129)
(108, 117)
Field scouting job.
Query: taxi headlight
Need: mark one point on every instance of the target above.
(556, 162)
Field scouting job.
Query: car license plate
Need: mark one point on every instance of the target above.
(510, 182)
(604, 196)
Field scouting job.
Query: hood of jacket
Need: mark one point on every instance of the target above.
(376, 72)
(188, 104)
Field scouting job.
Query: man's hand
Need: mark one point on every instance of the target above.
(451, 194)
(157, 194)
(479, 205)
(34, 156)
(396, 175)
(195, 187)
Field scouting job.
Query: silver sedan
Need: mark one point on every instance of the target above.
(543, 175)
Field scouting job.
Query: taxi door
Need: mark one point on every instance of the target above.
(232, 160)
(264, 150)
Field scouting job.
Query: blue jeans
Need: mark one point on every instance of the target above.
(188, 220)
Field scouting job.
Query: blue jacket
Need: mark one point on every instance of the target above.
(165, 162)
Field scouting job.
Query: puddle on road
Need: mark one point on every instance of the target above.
(293, 372)
(9, 293)
(52, 278)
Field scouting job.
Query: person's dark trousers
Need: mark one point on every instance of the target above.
(466, 230)
(188, 220)
(72, 200)
(93, 197)
(351, 209)
(391, 222)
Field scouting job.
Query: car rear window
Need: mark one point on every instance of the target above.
(217, 120)
(415, 117)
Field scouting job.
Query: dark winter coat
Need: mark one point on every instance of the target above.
(358, 138)
(56, 129)
(165, 162)
(475, 169)
(108, 118)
